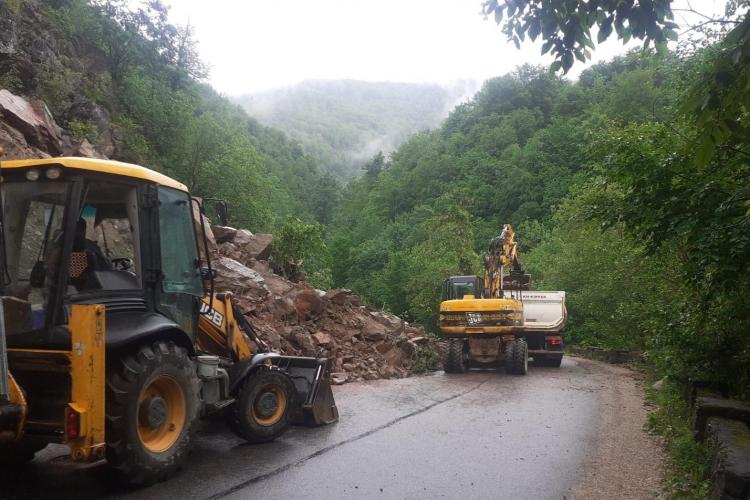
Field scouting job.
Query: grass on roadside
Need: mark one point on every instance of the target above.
(687, 473)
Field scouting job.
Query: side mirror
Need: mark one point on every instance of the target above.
(208, 274)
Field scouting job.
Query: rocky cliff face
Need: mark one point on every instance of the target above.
(290, 317)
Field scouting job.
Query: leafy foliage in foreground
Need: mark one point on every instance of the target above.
(688, 465)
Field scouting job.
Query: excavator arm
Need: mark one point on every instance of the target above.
(503, 254)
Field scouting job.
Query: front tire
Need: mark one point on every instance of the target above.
(264, 408)
(153, 402)
(454, 357)
(517, 357)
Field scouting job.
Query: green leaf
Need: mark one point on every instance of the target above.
(498, 15)
(567, 61)
(555, 66)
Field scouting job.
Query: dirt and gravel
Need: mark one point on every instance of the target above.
(625, 461)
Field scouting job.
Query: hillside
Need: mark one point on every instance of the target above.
(344, 123)
(129, 83)
(600, 179)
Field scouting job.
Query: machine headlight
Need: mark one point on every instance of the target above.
(32, 175)
(52, 173)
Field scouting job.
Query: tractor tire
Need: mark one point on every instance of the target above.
(551, 361)
(153, 403)
(19, 453)
(517, 357)
(454, 357)
(265, 406)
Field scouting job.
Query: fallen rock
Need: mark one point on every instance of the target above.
(308, 304)
(282, 308)
(253, 246)
(34, 120)
(238, 278)
(322, 338)
(223, 234)
(338, 378)
(85, 149)
(339, 296)
(372, 330)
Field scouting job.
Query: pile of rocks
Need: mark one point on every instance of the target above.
(296, 319)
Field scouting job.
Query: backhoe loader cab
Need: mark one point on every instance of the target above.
(105, 312)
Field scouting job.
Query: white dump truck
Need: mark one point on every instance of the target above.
(544, 316)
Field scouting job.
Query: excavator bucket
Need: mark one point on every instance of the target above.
(310, 376)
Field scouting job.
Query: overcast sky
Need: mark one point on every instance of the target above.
(255, 45)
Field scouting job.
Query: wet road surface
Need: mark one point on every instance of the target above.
(482, 434)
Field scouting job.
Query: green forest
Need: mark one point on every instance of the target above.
(628, 186)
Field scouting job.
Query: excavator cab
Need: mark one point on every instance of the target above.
(458, 287)
(109, 308)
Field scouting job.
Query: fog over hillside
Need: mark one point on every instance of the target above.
(346, 122)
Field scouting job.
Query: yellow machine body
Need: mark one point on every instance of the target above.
(471, 316)
(56, 384)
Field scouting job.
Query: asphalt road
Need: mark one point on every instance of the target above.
(477, 435)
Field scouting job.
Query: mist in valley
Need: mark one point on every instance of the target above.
(344, 123)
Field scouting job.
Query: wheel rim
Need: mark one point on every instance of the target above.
(269, 405)
(162, 409)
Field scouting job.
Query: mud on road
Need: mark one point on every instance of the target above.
(572, 432)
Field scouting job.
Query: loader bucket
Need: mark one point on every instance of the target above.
(310, 376)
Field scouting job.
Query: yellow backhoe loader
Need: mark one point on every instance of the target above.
(112, 337)
(497, 319)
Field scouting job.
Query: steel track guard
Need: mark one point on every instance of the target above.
(310, 377)
(85, 414)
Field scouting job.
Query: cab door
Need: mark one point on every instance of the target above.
(181, 284)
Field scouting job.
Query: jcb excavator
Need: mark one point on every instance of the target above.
(112, 337)
(498, 319)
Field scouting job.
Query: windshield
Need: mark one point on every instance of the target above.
(33, 234)
(457, 289)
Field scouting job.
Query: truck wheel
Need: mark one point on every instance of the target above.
(552, 361)
(517, 357)
(454, 357)
(153, 401)
(264, 409)
(19, 453)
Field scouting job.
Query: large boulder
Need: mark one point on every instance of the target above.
(34, 120)
(308, 304)
(238, 278)
(223, 234)
(253, 246)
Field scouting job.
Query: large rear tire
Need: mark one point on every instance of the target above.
(153, 402)
(517, 357)
(264, 408)
(454, 357)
